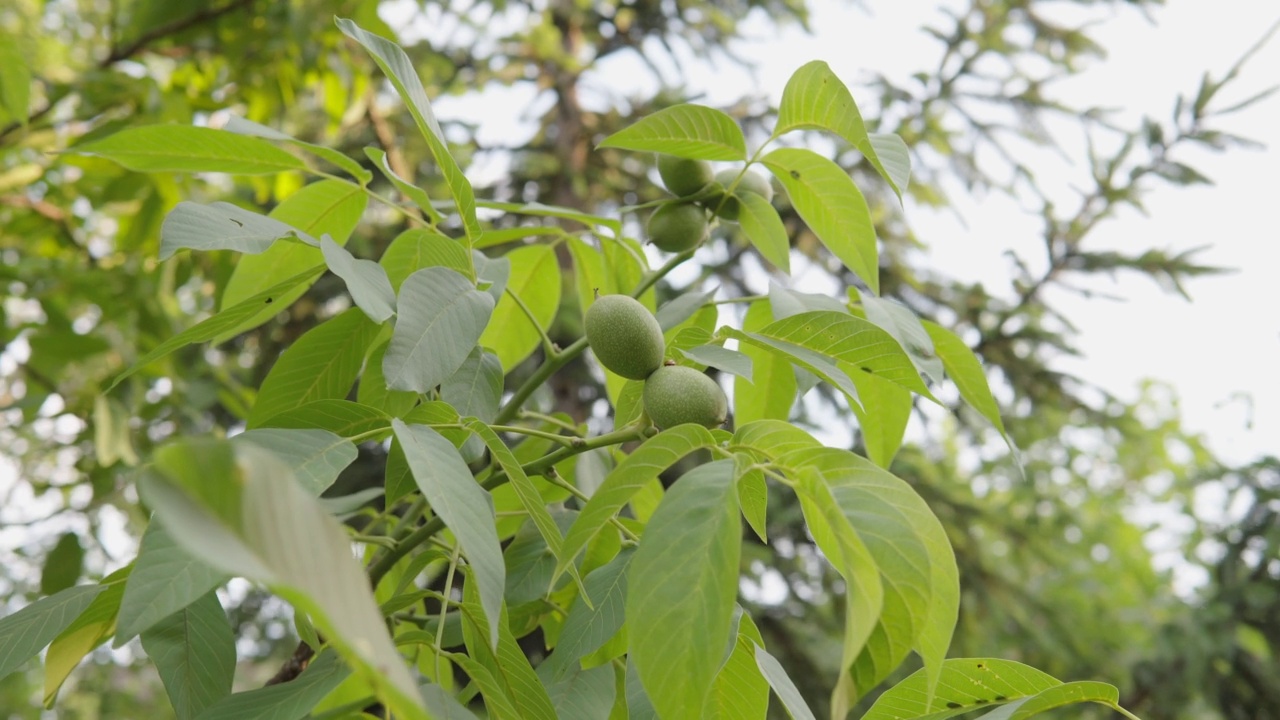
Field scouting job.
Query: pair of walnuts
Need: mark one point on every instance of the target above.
(628, 341)
(681, 224)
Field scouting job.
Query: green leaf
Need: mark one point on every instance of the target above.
(15, 79)
(286, 701)
(413, 250)
(638, 705)
(90, 629)
(506, 662)
(222, 226)
(366, 280)
(906, 327)
(679, 613)
(895, 159)
(535, 279)
(740, 691)
(406, 188)
(687, 130)
(753, 494)
(186, 148)
(832, 206)
(327, 207)
(965, 685)
(340, 417)
(441, 705)
(811, 360)
(497, 704)
(243, 126)
(773, 438)
(642, 466)
(24, 633)
(476, 388)
(772, 390)
(583, 694)
(315, 456)
(164, 580)
(1072, 693)
(815, 98)
(195, 652)
(320, 365)
(238, 508)
(213, 326)
(718, 356)
(465, 507)
(63, 564)
(399, 70)
(886, 408)
(679, 309)
(966, 372)
(764, 229)
(786, 302)
(441, 317)
(589, 626)
(782, 685)
(373, 391)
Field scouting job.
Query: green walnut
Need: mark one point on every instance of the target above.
(675, 395)
(750, 183)
(682, 176)
(625, 336)
(676, 227)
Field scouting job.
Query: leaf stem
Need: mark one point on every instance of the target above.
(548, 346)
(444, 604)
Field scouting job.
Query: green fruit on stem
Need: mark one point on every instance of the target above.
(625, 336)
(676, 227)
(675, 395)
(727, 206)
(682, 176)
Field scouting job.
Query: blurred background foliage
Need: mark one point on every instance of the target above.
(1057, 566)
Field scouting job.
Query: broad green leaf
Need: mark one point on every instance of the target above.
(687, 130)
(315, 456)
(223, 321)
(895, 159)
(764, 229)
(815, 98)
(415, 249)
(62, 565)
(638, 705)
(886, 408)
(194, 650)
(772, 391)
(530, 566)
(25, 633)
(810, 360)
(344, 505)
(366, 280)
(406, 188)
(399, 70)
(832, 206)
(740, 691)
(238, 508)
(629, 404)
(340, 417)
(476, 388)
(966, 372)
(497, 703)
(503, 659)
(465, 507)
(243, 126)
(964, 685)
(535, 279)
(679, 309)
(679, 613)
(720, 357)
(164, 580)
(495, 271)
(851, 340)
(773, 438)
(656, 454)
(786, 302)
(589, 275)
(441, 317)
(90, 629)
(905, 326)
(442, 706)
(222, 226)
(327, 207)
(1072, 693)
(753, 494)
(286, 701)
(502, 236)
(187, 148)
(15, 79)
(783, 686)
(588, 627)
(320, 365)
(373, 391)
(583, 694)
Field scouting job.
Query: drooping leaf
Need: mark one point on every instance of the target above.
(583, 694)
(740, 691)
(399, 70)
(90, 629)
(906, 327)
(441, 317)
(164, 580)
(465, 507)
(503, 658)
(320, 365)
(223, 226)
(409, 190)
(656, 454)
(895, 159)
(812, 361)
(886, 408)
(535, 279)
(782, 685)
(763, 227)
(679, 613)
(415, 249)
(753, 494)
(687, 130)
(285, 701)
(194, 650)
(1072, 693)
(966, 372)
(497, 702)
(187, 148)
(340, 417)
(442, 706)
(366, 280)
(965, 684)
(25, 633)
(679, 309)
(315, 456)
(244, 126)
(772, 389)
(588, 627)
(722, 358)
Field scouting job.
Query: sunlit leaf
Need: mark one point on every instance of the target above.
(90, 629)
(782, 685)
(535, 279)
(763, 227)
(691, 131)
(187, 148)
(244, 126)
(772, 391)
